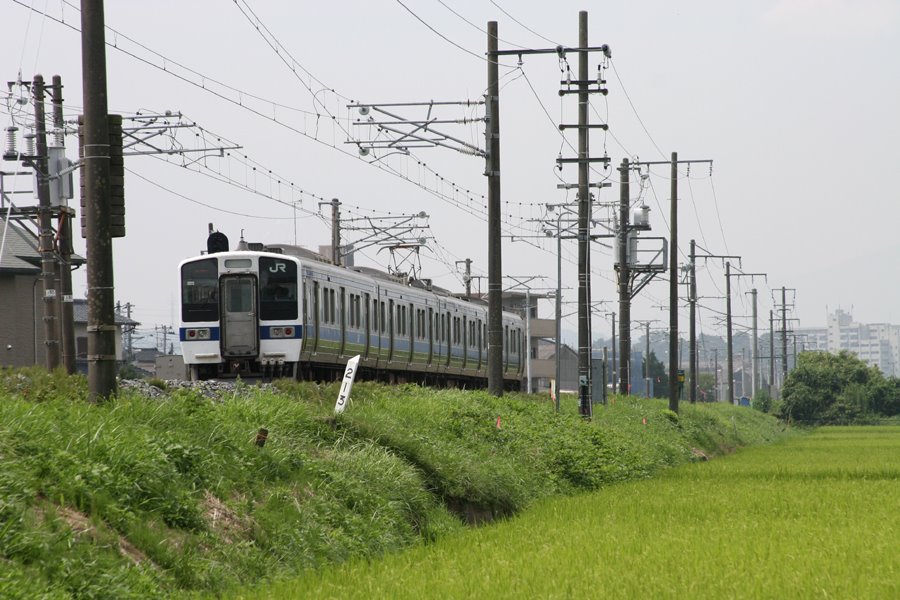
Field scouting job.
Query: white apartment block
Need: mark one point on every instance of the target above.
(876, 344)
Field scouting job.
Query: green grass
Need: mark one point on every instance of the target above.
(149, 497)
(815, 517)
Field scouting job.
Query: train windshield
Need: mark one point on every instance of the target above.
(199, 291)
(277, 289)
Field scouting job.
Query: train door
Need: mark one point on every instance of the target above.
(465, 341)
(368, 324)
(316, 315)
(505, 348)
(448, 322)
(240, 327)
(480, 344)
(342, 319)
(412, 333)
(390, 325)
(430, 327)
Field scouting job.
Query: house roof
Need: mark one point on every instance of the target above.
(81, 314)
(20, 253)
(546, 349)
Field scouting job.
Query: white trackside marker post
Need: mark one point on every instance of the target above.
(346, 385)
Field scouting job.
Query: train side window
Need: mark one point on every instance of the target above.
(374, 314)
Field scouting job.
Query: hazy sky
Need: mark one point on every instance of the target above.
(796, 101)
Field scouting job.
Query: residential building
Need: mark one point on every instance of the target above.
(876, 344)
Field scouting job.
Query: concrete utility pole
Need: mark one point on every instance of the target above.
(784, 359)
(584, 220)
(495, 264)
(755, 358)
(95, 178)
(693, 258)
(613, 371)
(647, 362)
(64, 227)
(692, 344)
(336, 231)
(673, 288)
(528, 341)
(468, 276)
(673, 272)
(728, 321)
(45, 219)
(716, 374)
(558, 306)
(728, 276)
(624, 282)
(583, 85)
(772, 354)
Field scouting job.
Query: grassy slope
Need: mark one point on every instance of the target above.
(815, 517)
(143, 498)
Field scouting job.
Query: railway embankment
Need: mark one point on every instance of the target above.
(173, 488)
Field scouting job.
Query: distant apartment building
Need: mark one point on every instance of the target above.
(876, 344)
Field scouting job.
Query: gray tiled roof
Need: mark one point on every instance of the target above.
(81, 314)
(20, 253)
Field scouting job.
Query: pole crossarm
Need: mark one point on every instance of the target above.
(411, 132)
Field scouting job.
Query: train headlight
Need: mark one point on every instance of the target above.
(277, 332)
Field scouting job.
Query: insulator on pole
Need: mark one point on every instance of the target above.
(29, 144)
(11, 141)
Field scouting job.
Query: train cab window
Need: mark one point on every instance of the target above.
(200, 291)
(277, 289)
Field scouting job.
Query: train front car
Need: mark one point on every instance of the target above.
(240, 315)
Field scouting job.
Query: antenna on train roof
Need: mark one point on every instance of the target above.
(242, 245)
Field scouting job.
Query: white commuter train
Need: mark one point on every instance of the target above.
(265, 311)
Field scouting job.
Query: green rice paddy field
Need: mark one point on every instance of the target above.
(817, 516)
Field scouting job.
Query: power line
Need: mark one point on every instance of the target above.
(522, 25)
(441, 35)
(630, 103)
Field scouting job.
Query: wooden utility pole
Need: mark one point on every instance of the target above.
(101, 330)
(495, 264)
(45, 223)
